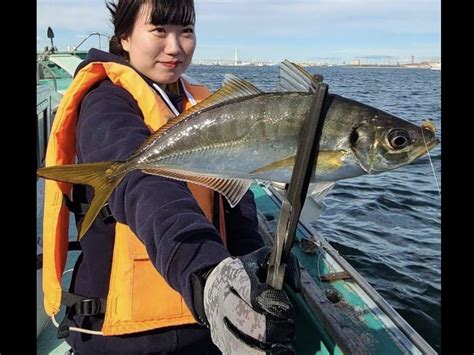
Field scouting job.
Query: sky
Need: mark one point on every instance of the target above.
(297, 30)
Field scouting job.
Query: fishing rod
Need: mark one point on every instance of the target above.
(306, 153)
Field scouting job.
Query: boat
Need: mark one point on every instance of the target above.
(55, 68)
(337, 310)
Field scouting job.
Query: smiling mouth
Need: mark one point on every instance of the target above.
(171, 64)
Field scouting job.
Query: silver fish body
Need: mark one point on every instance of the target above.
(240, 138)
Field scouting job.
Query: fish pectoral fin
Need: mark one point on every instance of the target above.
(232, 189)
(285, 163)
(328, 160)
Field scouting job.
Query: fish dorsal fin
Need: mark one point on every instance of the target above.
(292, 77)
(231, 189)
(232, 88)
(245, 87)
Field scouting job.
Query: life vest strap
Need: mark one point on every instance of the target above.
(83, 306)
(79, 209)
(78, 305)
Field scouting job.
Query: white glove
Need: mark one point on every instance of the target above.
(245, 315)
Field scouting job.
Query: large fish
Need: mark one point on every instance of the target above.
(240, 133)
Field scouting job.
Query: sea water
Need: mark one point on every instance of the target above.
(387, 226)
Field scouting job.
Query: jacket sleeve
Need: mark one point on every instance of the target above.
(242, 226)
(160, 211)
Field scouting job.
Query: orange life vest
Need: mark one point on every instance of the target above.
(139, 298)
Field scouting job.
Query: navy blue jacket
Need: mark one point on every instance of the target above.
(160, 211)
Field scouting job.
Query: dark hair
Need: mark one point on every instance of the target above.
(163, 12)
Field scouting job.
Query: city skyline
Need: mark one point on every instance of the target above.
(301, 30)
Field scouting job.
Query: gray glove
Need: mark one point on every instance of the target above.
(245, 315)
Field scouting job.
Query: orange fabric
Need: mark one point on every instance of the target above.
(139, 299)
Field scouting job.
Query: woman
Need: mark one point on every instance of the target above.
(154, 260)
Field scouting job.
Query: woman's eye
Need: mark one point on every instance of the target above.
(160, 30)
(188, 30)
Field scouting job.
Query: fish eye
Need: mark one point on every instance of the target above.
(398, 138)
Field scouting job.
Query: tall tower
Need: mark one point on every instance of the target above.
(236, 56)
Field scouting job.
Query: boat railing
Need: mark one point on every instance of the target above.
(44, 121)
(40, 71)
(89, 36)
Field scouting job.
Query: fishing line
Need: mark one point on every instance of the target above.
(431, 163)
(321, 251)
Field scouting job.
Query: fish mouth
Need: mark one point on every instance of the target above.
(428, 131)
(429, 125)
(428, 140)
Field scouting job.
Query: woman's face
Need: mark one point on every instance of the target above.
(160, 52)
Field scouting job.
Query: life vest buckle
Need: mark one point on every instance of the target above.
(88, 307)
(105, 214)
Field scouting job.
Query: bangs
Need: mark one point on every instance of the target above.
(172, 12)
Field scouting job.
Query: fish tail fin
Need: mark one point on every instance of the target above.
(102, 177)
